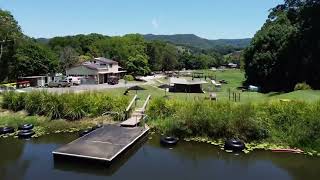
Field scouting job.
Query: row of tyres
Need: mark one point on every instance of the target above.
(24, 131)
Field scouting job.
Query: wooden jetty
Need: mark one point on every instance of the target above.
(103, 144)
(106, 143)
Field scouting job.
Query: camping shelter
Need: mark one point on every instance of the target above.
(182, 85)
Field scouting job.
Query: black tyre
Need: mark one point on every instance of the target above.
(25, 127)
(168, 140)
(6, 130)
(234, 145)
(25, 134)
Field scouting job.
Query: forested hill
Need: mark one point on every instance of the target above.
(192, 40)
(198, 42)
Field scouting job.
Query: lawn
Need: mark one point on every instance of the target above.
(234, 78)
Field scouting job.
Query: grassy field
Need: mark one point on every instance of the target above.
(234, 78)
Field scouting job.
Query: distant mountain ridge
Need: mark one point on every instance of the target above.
(191, 40)
(198, 42)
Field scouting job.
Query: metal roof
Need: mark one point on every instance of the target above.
(31, 77)
(105, 60)
(185, 82)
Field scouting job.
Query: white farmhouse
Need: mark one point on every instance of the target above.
(96, 71)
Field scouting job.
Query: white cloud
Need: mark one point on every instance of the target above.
(155, 23)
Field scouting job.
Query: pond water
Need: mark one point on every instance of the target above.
(32, 159)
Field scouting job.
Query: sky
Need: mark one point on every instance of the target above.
(211, 19)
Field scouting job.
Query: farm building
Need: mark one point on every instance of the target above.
(39, 81)
(96, 71)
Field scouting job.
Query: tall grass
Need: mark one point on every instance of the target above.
(64, 106)
(43, 125)
(293, 123)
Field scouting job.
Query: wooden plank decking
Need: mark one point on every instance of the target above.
(103, 144)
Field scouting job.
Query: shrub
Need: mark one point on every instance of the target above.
(301, 86)
(13, 101)
(293, 123)
(75, 107)
(35, 103)
(128, 78)
(64, 106)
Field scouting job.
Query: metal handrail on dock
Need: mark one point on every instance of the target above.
(129, 106)
(137, 116)
(131, 103)
(146, 103)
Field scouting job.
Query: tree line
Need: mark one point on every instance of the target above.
(21, 55)
(286, 51)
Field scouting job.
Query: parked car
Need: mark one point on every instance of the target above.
(113, 80)
(75, 81)
(60, 83)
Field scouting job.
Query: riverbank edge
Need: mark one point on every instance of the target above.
(42, 124)
(45, 126)
(250, 147)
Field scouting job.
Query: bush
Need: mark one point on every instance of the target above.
(128, 78)
(301, 86)
(292, 123)
(35, 103)
(64, 106)
(13, 101)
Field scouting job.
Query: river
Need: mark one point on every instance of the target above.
(32, 159)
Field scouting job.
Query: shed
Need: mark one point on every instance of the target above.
(35, 81)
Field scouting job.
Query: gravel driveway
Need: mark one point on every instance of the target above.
(82, 88)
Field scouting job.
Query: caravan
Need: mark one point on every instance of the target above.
(75, 81)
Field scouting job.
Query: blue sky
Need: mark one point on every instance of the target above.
(212, 19)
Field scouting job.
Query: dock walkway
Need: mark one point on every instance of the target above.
(103, 144)
(107, 142)
(136, 116)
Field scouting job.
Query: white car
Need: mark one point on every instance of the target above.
(74, 80)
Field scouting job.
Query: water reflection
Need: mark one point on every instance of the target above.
(148, 160)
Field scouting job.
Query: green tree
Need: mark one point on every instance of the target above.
(34, 59)
(286, 49)
(81, 44)
(119, 48)
(10, 33)
(155, 53)
(68, 58)
(170, 57)
(138, 65)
